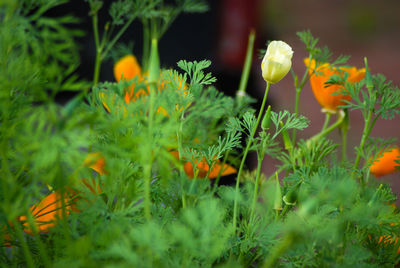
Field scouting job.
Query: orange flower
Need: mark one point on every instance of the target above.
(386, 164)
(323, 94)
(128, 68)
(387, 240)
(47, 212)
(96, 162)
(203, 168)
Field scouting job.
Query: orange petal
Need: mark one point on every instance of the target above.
(96, 162)
(323, 94)
(47, 212)
(94, 187)
(226, 170)
(127, 68)
(386, 164)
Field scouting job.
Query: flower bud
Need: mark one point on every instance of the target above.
(278, 194)
(291, 197)
(266, 122)
(276, 62)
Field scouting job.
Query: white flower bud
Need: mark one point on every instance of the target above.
(276, 62)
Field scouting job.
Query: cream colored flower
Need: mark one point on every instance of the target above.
(276, 62)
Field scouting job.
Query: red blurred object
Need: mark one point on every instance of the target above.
(237, 18)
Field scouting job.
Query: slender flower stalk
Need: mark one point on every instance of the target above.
(246, 151)
(326, 122)
(329, 129)
(299, 88)
(247, 66)
(255, 194)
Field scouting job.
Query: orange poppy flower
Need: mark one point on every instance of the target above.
(323, 94)
(128, 68)
(96, 162)
(47, 212)
(203, 168)
(386, 164)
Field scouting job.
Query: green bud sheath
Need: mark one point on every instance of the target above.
(368, 78)
(286, 139)
(291, 197)
(154, 62)
(266, 122)
(278, 194)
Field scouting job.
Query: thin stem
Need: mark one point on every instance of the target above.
(327, 119)
(255, 194)
(296, 111)
(366, 131)
(329, 129)
(25, 248)
(97, 64)
(220, 172)
(299, 88)
(179, 140)
(245, 155)
(146, 45)
(247, 64)
(118, 35)
(344, 144)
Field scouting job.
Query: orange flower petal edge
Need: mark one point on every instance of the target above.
(203, 168)
(47, 212)
(386, 164)
(127, 68)
(323, 94)
(96, 162)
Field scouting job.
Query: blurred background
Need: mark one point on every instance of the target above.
(360, 28)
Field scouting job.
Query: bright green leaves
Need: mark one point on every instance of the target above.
(283, 120)
(195, 72)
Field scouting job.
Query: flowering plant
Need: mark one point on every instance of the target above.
(150, 170)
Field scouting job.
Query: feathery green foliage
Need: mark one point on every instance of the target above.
(125, 170)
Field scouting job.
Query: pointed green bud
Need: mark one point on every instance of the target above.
(368, 78)
(266, 122)
(278, 194)
(375, 196)
(286, 139)
(154, 62)
(291, 197)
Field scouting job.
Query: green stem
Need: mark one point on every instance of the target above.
(179, 140)
(299, 88)
(344, 144)
(247, 65)
(258, 174)
(146, 45)
(366, 131)
(285, 210)
(245, 155)
(328, 130)
(327, 119)
(296, 111)
(118, 35)
(25, 248)
(97, 65)
(98, 50)
(220, 172)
